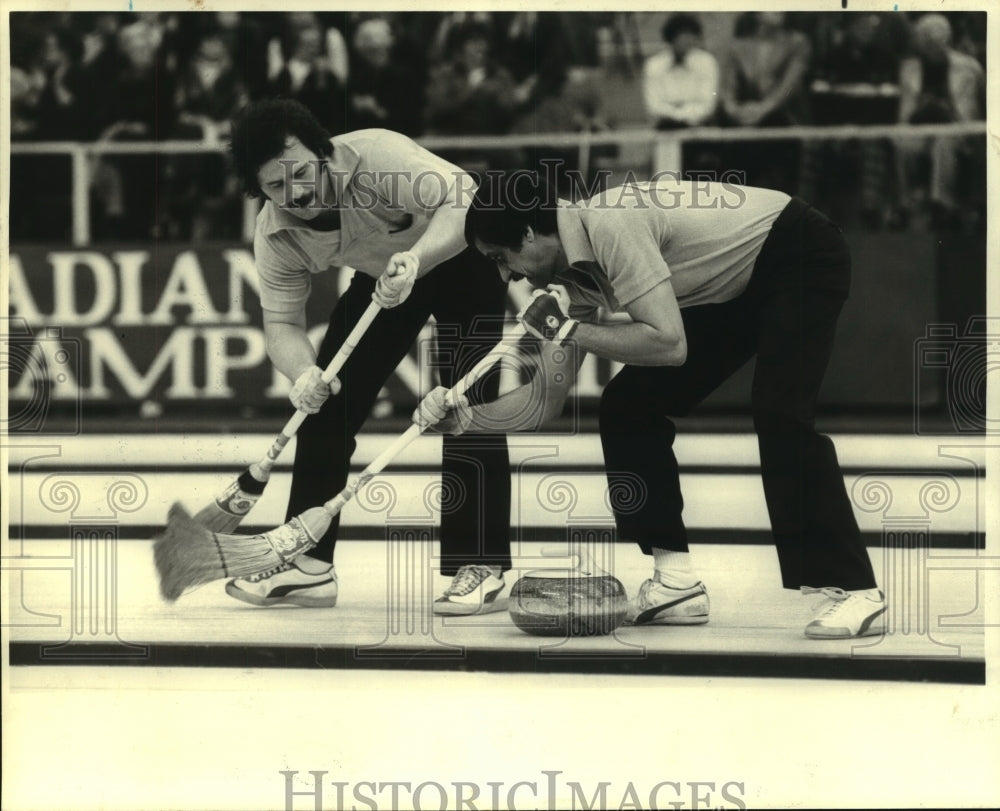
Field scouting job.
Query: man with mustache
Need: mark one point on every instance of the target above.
(375, 201)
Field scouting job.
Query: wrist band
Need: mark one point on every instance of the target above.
(566, 331)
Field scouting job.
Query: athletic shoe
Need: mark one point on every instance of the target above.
(845, 614)
(286, 585)
(657, 604)
(474, 590)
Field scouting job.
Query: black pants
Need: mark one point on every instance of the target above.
(467, 299)
(787, 317)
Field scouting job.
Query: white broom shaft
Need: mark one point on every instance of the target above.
(335, 365)
(507, 346)
(377, 465)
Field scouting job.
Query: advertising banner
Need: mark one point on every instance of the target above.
(173, 329)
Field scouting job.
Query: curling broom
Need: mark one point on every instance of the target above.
(187, 554)
(232, 504)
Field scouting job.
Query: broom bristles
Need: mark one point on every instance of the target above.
(187, 554)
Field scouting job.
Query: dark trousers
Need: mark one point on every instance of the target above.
(468, 300)
(787, 317)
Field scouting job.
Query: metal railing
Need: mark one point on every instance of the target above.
(665, 150)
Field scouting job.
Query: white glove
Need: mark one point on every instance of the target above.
(310, 392)
(394, 285)
(437, 413)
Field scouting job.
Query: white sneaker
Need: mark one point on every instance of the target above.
(846, 614)
(657, 604)
(286, 585)
(474, 590)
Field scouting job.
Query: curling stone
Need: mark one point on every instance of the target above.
(585, 601)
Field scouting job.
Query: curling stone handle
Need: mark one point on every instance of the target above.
(584, 562)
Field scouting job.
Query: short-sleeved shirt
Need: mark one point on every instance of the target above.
(388, 188)
(703, 237)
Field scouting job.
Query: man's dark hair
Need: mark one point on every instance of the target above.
(258, 133)
(505, 205)
(679, 24)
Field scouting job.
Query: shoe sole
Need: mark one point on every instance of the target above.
(461, 610)
(300, 600)
(875, 627)
(694, 620)
(843, 633)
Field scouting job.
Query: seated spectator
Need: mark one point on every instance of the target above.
(209, 92)
(470, 93)
(25, 90)
(938, 85)
(448, 29)
(681, 83)
(137, 106)
(553, 92)
(139, 102)
(764, 85)
(381, 92)
(102, 62)
(247, 45)
(539, 71)
(197, 191)
(306, 75)
(245, 40)
(204, 90)
(47, 103)
(856, 68)
(856, 74)
(62, 104)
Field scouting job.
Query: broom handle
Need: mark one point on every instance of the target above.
(336, 364)
(507, 346)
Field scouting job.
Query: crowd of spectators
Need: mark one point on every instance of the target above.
(103, 76)
(781, 69)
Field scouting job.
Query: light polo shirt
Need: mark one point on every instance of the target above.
(388, 188)
(703, 237)
(684, 91)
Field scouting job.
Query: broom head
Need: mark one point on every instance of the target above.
(187, 554)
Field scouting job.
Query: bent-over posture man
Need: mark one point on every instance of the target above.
(375, 201)
(710, 275)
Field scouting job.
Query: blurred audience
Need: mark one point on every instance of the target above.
(245, 38)
(764, 85)
(137, 106)
(198, 192)
(554, 89)
(382, 92)
(142, 76)
(60, 112)
(681, 83)
(856, 70)
(449, 28)
(306, 74)
(764, 81)
(209, 92)
(470, 93)
(940, 85)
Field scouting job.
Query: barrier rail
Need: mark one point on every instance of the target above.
(665, 150)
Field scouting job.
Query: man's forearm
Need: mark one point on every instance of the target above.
(289, 349)
(444, 237)
(637, 344)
